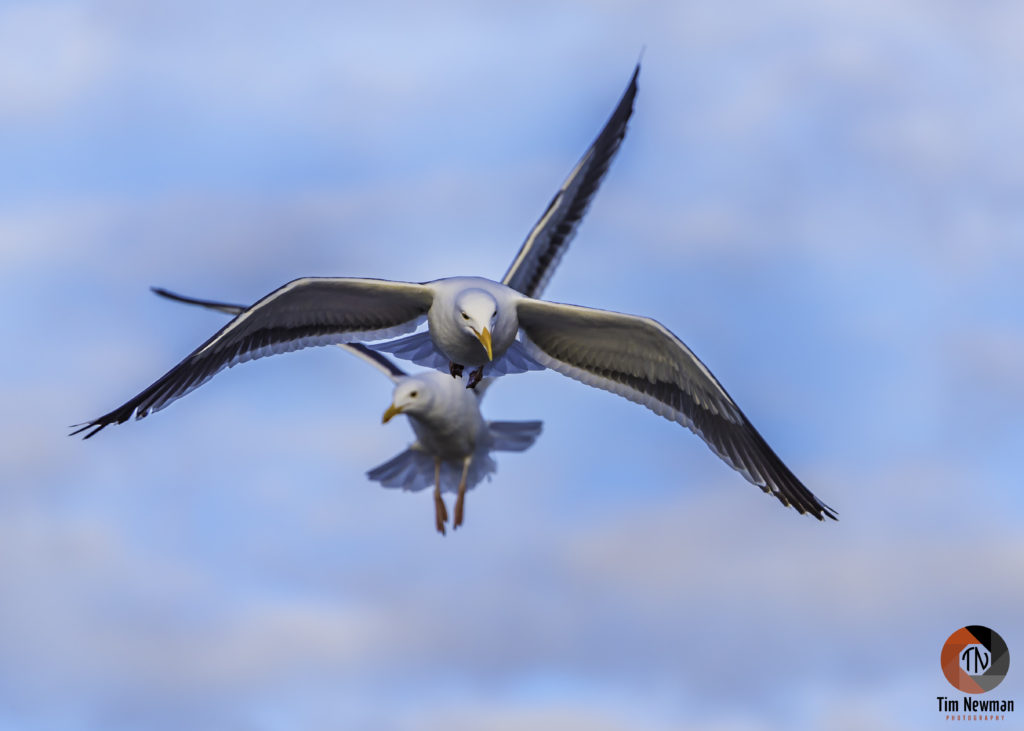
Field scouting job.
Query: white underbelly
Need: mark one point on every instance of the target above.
(449, 441)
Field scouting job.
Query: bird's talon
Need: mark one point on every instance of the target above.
(458, 513)
(475, 377)
(455, 369)
(440, 513)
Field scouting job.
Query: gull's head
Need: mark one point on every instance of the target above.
(411, 396)
(476, 311)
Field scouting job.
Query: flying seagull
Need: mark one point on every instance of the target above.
(453, 443)
(474, 321)
(310, 311)
(535, 262)
(452, 438)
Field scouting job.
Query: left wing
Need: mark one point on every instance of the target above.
(550, 236)
(379, 361)
(639, 358)
(304, 313)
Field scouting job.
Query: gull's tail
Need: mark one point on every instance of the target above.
(413, 470)
(514, 436)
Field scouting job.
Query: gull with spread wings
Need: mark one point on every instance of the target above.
(453, 443)
(473, 321)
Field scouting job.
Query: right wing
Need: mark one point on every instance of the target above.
(640, 359)
(301, 314)
(550, 236)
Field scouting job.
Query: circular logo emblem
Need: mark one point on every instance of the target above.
(975, 659)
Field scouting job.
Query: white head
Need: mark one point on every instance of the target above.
(411, 396)
(476, 311)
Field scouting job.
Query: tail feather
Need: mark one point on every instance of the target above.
(413, 470)
(514, 436)
(409, 470)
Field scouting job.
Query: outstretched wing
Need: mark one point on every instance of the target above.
(301, 314)
(378, 360)
(550, 236)
(640, 359)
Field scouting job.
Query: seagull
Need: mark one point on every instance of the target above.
(531, 269)
(450, 432)
(473, 321)
(453, 441)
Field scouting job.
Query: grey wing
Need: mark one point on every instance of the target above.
(303, 313)
(515, 360)
(640, 359)
(548, 240)
(418, 348)
(381, 362)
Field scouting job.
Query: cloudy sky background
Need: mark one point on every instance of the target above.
(821, 198)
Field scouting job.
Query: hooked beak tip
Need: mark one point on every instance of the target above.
(390, 414)
(485, 340)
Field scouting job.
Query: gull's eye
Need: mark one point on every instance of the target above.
(412, 394)
(465, 316)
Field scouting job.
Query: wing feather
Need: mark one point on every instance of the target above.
(304, 313)
(640, 359)
(379, 361)
(550, 236)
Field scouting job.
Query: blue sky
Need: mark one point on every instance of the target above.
(820, 198)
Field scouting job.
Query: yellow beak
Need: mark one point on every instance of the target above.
(390, 414)
(485, 340)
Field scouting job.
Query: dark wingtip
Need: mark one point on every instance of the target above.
(168, 294)
(161, 292)
(631, 88)
(225, 307)
(819, 511)
(79, 428)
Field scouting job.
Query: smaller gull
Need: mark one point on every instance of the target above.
(453, 443)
